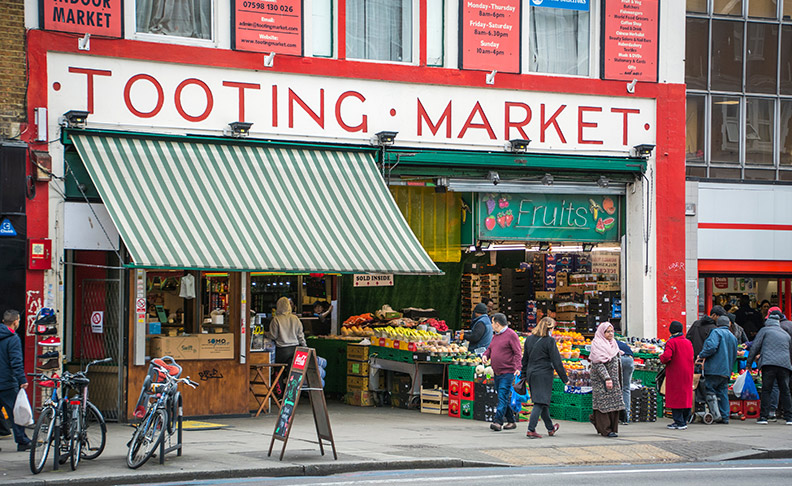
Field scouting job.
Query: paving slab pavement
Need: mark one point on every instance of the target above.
(387, 438)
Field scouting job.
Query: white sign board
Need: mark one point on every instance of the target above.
(141, 95)
(97, 322)
(374, 280)
(605, 262)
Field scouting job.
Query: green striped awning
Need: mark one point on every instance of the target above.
(241, 206)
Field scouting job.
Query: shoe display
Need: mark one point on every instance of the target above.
(44, 320)
(510, 426)
(51, 354)
(533, 435)
(51, 364)
(53, 341)
(496, 427)
(43, 330)
(553, 431)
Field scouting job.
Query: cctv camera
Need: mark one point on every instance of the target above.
(493, 177)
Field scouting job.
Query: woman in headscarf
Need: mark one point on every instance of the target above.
(540, 358)
(606, 381)
(287, 332)
(678, 358)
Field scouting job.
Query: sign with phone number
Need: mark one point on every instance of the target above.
(268, 26)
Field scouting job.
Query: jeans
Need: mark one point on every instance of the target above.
(503, 383)
(628, 366)
(540, 410)
(719, 386)
(7, 400)
(680, 415)
(772, 376)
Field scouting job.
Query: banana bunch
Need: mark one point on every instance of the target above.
(406, 334)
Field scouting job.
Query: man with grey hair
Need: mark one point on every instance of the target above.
(505, 355)
(719, 351)
(12, 372)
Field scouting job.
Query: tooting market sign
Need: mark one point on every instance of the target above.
(133, 93)
(548, 217)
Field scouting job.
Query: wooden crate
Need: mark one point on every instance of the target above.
(434, 401)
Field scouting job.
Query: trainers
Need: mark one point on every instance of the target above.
(51, 364)
(672, 426)
(533, 435)
(789, 422)
(772, 418)
(53, 341)
(681, 427)
(46, 319)
(551, 432)
(496, 427)
(44, 330)
(51, 354)
(761, 421)
(510, 426)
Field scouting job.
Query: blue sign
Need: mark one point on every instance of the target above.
(7, 229)
(564, 4)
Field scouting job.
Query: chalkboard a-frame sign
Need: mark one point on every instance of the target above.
(305, 368)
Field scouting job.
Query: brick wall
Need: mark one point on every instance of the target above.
(13, 78)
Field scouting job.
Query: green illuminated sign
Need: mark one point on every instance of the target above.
(548, 217)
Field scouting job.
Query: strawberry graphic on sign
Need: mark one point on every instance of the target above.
(300, 358)
(490, 222)
(502, 220)
(508, 217)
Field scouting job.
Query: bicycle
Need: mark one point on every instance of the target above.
(162, 414)
(67, 424)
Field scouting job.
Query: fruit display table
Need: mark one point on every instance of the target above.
(416, 370)
(335, 352)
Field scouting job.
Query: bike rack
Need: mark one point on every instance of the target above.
(178, 446)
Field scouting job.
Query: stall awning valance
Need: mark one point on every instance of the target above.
(202, 204)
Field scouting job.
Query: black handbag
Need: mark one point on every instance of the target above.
(660, 381)
(521, 387)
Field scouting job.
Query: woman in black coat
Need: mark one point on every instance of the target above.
(540, 358)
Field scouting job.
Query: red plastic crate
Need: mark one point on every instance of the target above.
(467, 390)
(454, 407)
(751, 408)
(736, 406)
(454, 387)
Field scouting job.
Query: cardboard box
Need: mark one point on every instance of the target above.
(177, 347)
(357, 352)
(216, 346)
(608, 286)
(358, 368)
(541, 295)
(360, 398)
(357, 383)
(568, 316)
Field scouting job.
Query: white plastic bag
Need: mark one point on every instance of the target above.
(23, 415)
(739, 383)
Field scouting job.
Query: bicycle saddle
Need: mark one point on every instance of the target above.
(173, 370)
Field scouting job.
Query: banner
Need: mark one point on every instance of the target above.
(490, 35)
(95, 17)
(630, 32)
(548, 217)
(373, 280)
(268, 26)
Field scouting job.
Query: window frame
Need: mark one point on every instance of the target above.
(415, 38)
(130, 12)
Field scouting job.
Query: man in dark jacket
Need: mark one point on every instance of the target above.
(773, 346)
(480, 330)
(749, 318)
(12, 372)
(697, 334)
(720, 352)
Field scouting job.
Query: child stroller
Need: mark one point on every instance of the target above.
(154, 376)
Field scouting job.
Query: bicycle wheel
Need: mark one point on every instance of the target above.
(75, 438)
(42, 439)
(94, 433)
(146, 438)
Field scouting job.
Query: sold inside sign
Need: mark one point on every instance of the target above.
(374, 280)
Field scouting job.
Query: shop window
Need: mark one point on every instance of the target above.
(182, 18)
(785, 175)
(786, 13)
(559, 41)
(727, 55)
(693, 171)
(697, 6)
(379, 30)
(725, 173)
(759, 129)
(215, 308)
(434, 32)
(759, 175)
(694, 128)
(763, 8)
(725, 129)
(761, 58)
(696, 53)
(322, 22)
(170, 309)
(786, 59)
(786, 133)
(727, 7)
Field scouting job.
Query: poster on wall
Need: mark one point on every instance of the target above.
(268, 26)
(105, 17)
(548, 217)
(490, 35)
(629, 40)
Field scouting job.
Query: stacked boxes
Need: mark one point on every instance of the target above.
(461, 391)
(434, 401)
(491, 288)
(477, 287)
(358, 392)
(400, 390)
(485, 402)
(516, 291)
(643, 405)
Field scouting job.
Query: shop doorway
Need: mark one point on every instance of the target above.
(98, 335)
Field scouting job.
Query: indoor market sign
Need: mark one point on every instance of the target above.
(548, 217)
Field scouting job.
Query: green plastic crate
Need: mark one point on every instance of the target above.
(466, 409)
(464, 373)
(558, 385)
(577, 414)
(576, 400)
(557, 411)
(660, 405)
(391, 354)
(647, 378)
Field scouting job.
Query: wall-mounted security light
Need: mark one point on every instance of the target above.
(544, 246)
(631, 86)
(490, 77)
(603, 182)
(385, 138)
(84, 42)
(547, 179)
(644, 150)
(441, 184)
(269, 59)
(75, 118)
(518, 145)
(240, 129)
(587, 247)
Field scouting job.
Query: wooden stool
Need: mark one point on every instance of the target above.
(261, 380)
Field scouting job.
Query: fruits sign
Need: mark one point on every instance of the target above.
(548, 217)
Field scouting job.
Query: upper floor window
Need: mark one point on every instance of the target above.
(380, 30)
(559, 41)
(180, 18)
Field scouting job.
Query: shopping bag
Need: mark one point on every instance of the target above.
(739, 384)
(517, 399)
(23, 415)
(749, 389)
(520, 386)
(660, 381)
